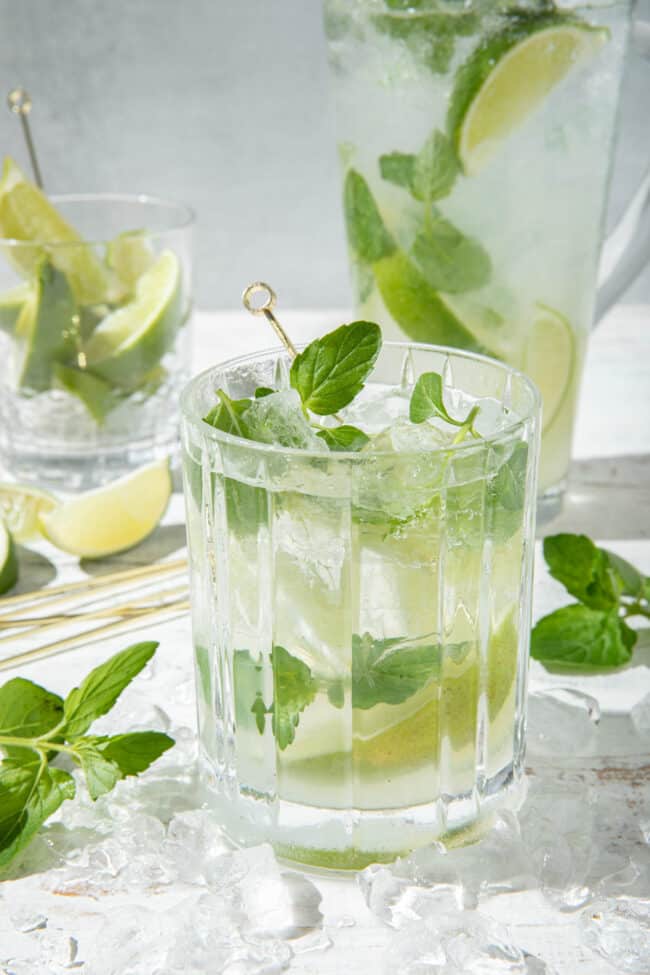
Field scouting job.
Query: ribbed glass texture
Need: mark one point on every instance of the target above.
(361, 621)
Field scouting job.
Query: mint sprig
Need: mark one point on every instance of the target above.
(427, 400)
(594, 632)
(330, 372)
(37, 727)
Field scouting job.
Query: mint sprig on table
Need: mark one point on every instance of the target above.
(38, 727)
(593, 633)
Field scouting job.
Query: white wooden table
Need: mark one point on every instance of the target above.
(609, 499)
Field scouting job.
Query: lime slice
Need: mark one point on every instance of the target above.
(550, 360)
(45, 329)
(422, 313)
(26, 214)
(8, 560)
(20, 509)
(509, 75)
(129, 255)
(129, 342)
(96, 394)
(11, 305)
(111, 518)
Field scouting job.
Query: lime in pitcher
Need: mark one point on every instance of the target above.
(476, 140)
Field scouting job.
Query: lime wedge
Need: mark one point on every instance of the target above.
(505, 79)
(422, 313)
(8, 560)
(129, 342)
(20, 509)
(26, 214)
(550, 360)
(11, 305)
(45, 329)
(112, 518)
(96, 394)
(129, 255)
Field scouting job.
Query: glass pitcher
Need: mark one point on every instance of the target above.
(476, 140)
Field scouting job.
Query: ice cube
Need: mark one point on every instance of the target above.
(619, 930)
(640, 715)
(406, 436)
(436, 877)
(377, 407)
(278, 903)
(561, 722)
(279, 419)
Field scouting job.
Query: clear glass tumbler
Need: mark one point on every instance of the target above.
(361, 620)
(94, 338)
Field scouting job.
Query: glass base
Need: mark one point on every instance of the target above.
(82, 468)
(346, 840)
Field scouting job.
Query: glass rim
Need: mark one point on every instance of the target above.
(506, 435)
(186, 218)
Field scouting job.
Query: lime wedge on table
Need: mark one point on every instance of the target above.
(45, 329)
(8, 560)
(129, 342)
(112, 518)
(550, 360)
(11, 305)
(20, 508)
(509, 74)
(26, 214)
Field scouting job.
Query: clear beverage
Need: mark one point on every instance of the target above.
(94, 334)
(495, 244)
(361, 621)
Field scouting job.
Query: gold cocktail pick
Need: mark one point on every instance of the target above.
(21, 105)
(259, 298)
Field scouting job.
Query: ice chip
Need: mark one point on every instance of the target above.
(640, 715)
(278, 903)
(376, 408)
(400, 900)
(619, 930)
(279, 419)
(561, 722)
(406, 436)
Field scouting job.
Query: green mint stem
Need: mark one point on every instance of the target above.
(637, 609)
(468, 427)
(39, 745)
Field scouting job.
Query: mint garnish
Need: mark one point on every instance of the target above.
(36, 726)
(594, 632)
(330, 372)
(345, 437)
(427, 400)
(392, 670)
(369, 239)
(227, 415)
(398, 168)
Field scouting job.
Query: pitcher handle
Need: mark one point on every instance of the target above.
(626, 250)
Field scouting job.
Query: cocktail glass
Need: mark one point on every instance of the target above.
(94, 338)
(361, 620)
(476, 142)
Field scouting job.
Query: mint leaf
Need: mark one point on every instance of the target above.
(448, 259)
(630, 581)
(344, 437)
(100, 773)
(390, 671)
(260, 710)
(398, 168)
(368, 237)
(330, 372)
(227, 415)
(583, 569)
(582, 638)
(134, 752)
(29, 793)
(263, 391)
(102, 687)
(427, 400)
(294, 688)
(27, 710)
(436, 168)
(507, 494)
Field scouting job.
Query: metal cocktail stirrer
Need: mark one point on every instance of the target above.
(265, 307)
(21, 105)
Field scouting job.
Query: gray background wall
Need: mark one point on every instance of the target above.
(223, 105)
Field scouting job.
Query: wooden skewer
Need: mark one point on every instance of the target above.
(87, 585)
(32, 624)
(70, 643)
